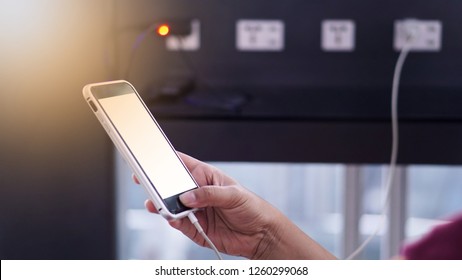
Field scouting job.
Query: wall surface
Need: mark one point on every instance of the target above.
(55, 161)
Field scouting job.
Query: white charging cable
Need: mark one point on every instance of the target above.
(195, 222)
(411, 34)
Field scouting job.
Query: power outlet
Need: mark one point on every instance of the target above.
(422, 35)
(190, 42)
(338, 35)
(260, 35)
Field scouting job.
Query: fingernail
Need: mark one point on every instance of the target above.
(188, 198)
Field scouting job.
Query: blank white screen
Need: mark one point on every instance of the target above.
(147, 144)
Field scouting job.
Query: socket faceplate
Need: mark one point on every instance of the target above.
(259, 35)
(426, 35)
(186, 43)
(338, 35)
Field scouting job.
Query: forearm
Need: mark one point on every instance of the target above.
(287, 241)
(295, 244)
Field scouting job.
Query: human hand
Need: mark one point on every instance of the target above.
(232, 217)
(237, 221)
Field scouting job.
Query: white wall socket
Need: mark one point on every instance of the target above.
(260, 35)
(338, 35)
(192, 42)
(426, 35)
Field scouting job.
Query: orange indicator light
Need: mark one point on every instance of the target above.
(163, 30)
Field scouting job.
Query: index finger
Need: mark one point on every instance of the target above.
(189, 161)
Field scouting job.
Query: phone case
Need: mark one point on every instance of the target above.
(128, 157)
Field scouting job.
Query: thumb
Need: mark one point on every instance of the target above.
(213, 196)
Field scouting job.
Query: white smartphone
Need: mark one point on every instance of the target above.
(143, 145)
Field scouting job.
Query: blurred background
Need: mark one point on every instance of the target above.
(291, 98)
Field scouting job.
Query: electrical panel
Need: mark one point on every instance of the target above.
(337, 53)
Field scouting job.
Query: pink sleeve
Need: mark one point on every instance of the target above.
(444, 242)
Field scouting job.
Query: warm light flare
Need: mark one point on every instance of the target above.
(163, 30)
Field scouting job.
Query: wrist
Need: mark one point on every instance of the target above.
(271, 245)
(284, 240)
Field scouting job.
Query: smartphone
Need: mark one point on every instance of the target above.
(143, 145)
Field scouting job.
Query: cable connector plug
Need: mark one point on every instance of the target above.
(407, 33)
(411, 29)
